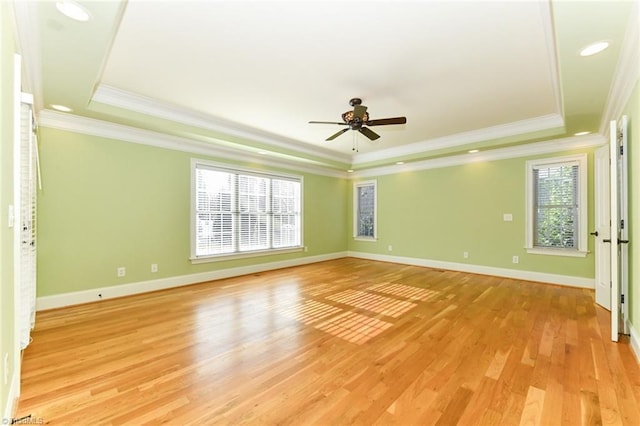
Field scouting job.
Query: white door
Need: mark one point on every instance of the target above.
(613, 188)
(622, 226)
(612, 228)
(624, 215)
(603, 228)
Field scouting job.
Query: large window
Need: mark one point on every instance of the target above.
(556, 206)
(364, 207)
(243, 212)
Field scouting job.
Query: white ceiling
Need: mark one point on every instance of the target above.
(464, 73)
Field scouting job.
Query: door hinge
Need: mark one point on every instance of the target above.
(622, 298)
(621, 149)
(622, 224)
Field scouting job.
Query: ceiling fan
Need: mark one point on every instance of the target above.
(356, 119)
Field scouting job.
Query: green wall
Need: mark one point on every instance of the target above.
(438, 214)
(7, 342)
(107, 203)
(632, 110)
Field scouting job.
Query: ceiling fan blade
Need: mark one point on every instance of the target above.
(385, 121)
(332, 137)
(369, 133)
(328, 122)
(359, 111)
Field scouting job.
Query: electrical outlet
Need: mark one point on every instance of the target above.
(465, 254)
(515, 259)
(154, 267)
(390, 248)
(122, 271)
(306, 249)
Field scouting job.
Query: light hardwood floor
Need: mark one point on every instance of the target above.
(348, 341)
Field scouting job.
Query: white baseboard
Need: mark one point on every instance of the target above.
(102, 293)
(635, 341)
(12, 399)
(566, 280)
(110, 292)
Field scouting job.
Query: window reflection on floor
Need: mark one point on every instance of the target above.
(372, 302)
(353, 327)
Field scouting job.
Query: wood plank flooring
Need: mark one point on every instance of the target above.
(348, 341)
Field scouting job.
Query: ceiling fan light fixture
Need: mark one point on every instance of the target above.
(348, 117)
(73, 10)
(594, 48)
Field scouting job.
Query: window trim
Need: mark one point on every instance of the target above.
(195, 259)
(582, 249)
(356, 185)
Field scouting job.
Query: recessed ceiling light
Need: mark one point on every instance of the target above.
(73, 10)
(581, 133)
(594, 48)
(61, 108)
(473, 151)
(262, 152)
(349, 171)
(400, 162)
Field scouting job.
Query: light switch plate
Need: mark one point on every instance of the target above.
(11, 217)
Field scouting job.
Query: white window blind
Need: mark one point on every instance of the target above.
(215, 201)
(556, 206)
(285, 205)
(238, 211)
(253, 197)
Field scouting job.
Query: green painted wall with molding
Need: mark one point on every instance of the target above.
(107, 203)
(438, 214)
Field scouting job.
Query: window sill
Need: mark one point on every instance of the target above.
(370, 239)
(244, 255)
(557, 252)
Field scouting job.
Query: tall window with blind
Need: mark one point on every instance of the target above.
(557, 205)
(364, 208)
(242, 212)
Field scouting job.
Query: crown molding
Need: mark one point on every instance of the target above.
(130, 101)
(544, 122)
(550, 39)
(27, 35)
(90, 126)
(627, 71)
(538, 148)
